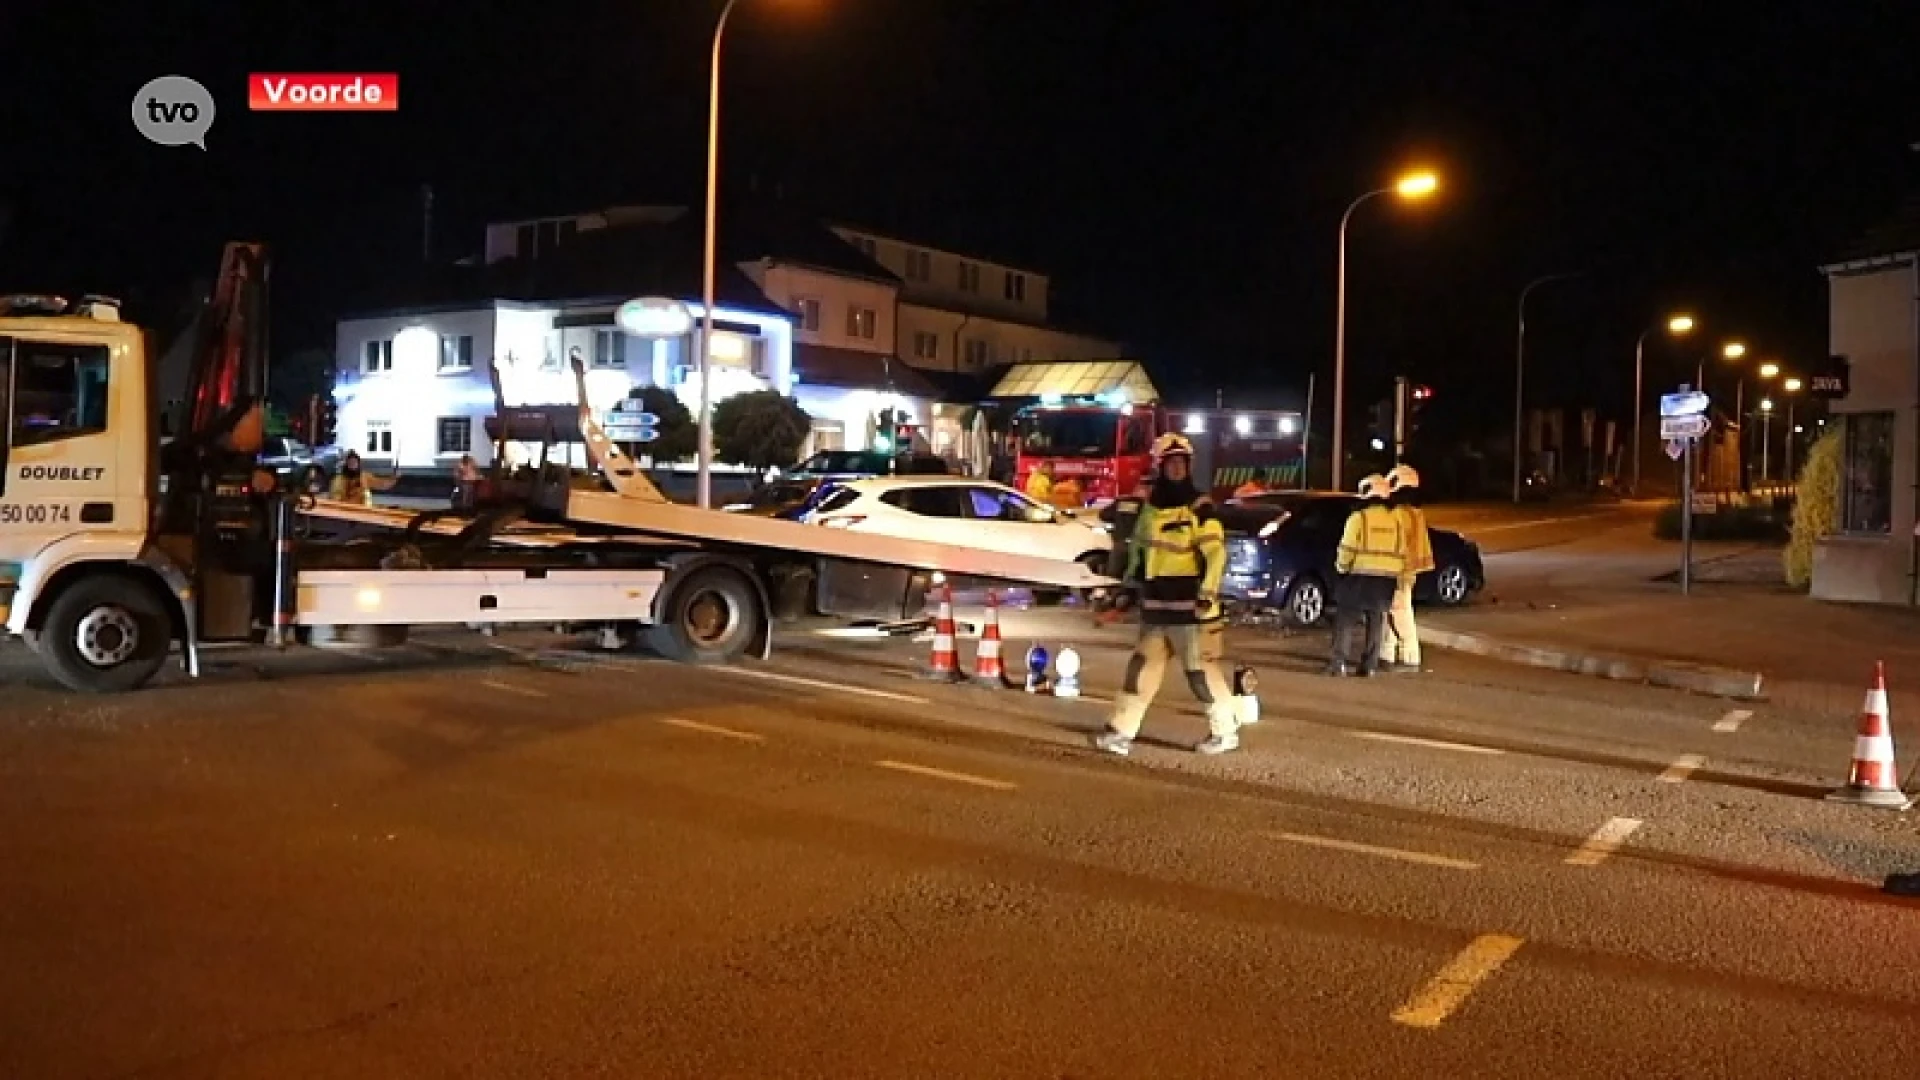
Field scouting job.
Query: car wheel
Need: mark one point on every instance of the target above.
(1451, 587)
(1306, 602)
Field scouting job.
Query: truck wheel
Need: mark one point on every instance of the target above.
(710, 617)
(104, 635)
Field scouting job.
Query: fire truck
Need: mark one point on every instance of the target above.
(1106, 447)
(119, 546)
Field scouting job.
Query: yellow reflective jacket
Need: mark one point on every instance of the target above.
(1039, 488)
(1413, 525)
(1373, 543)
(1179, 554)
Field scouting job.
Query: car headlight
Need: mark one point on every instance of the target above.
(1269, 528)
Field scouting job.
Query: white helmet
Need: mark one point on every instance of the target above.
(1374, 487)
(1170, 444)
(1403, 476)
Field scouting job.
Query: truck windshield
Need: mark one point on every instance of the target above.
(1069, 433)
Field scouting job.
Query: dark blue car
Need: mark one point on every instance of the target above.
(1281, 550)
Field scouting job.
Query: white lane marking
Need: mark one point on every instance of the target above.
(819, 684)
(1537, 522)
(1605, 841)
(1450, 988)
(712, 729)
(943, 774)
(1431, 744)
(494, 684)
(1732, 721)
(1682, 768)
(1401, 854)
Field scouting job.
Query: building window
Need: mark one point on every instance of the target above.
(1867, 495)
(456, 353)
(378, 357)
(59, 392)
(380, 437)
(1016, 288)
(609, 349)
(919, 265)
(809, 314)
(977, 352)
(926, 346)
(861, 322)
(969, 277)
(523, 241)
(455, 434)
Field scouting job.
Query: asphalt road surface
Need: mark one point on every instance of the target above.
(510, 861)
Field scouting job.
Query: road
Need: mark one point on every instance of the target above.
(510, 858)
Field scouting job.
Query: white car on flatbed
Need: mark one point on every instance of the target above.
(963, 512)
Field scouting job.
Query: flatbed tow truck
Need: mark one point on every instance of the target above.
(115, 549)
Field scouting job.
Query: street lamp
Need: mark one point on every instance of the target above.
(705, 486)
(1792, 387)
(1412, 186)
(1766, 440)
(1678, 326)
(1520, 373)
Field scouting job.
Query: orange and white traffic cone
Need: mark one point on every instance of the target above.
(944, 665)
(1873, 780)
(989, 668)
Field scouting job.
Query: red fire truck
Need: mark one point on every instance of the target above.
(1106, 448)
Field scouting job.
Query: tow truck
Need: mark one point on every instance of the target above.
(115, 549)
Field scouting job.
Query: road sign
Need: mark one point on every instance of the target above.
(632, 433)
(1683, 427)
(1685, 403)
(1676, 447)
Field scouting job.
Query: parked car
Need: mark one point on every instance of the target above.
(778, 498)
(958, 510)
(858, 464)
(1281, 549)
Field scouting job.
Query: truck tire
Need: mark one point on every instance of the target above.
(104, 635)
(710, 617)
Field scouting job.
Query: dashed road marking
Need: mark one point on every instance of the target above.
(712, 729)
(495, 684)
(1399, 854)
(1451, 987)
(1431, 744)
(821, 684)
(945, 774)
(1504, 526)
(1732, 721)
(1605, 840)
(1682, 767)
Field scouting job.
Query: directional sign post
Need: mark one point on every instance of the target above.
(1683, 420)
(1674, 428)
(626, 423)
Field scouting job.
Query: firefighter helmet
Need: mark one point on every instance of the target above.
(1403, 476)
(1171, 444)
(1374, 487)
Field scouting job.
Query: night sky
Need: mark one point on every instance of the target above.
(1180, 169)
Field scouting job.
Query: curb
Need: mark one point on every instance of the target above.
(1672, 675)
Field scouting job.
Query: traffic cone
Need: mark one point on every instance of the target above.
(944, 665)
(1873, 780)
(989, 669)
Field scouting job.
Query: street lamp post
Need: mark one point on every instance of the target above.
(1733, 351)
(1792, 387)
(1678, 324)
(705, 481)
(1766, 438)
(1412, 186)
(1520, 374)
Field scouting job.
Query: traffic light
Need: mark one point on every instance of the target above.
(328, 428)
(1417, 400)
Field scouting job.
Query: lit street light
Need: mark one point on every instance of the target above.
(1769, 370)
(1678, 326)
(1417, 185)
(705, 486)
(1766, 432)
(1520, 375)
(1792, 387)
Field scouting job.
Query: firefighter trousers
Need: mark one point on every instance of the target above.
(1199, 648)
(1401, 642)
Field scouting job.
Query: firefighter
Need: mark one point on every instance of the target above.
(1040, 484)
(1178, 555)
(350, 484)
(1401, 647)
(1373, 555)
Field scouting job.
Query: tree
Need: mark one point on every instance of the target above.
(1816, 505)
(760, 429)
(679, 434)
(295, 377)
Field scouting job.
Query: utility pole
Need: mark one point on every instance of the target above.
(1306, 438)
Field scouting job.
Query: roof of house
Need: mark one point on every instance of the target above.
(1894, 235)
(633, 260)
(828, 365)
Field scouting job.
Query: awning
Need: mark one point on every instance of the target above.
(1091, 378)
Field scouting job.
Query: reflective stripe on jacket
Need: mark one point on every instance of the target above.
(1181, 555)
(1413, 525)
(1372, 544)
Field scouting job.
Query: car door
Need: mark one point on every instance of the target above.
(935, 513)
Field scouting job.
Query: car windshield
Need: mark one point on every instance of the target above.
(1070, 433)
(844, 461)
